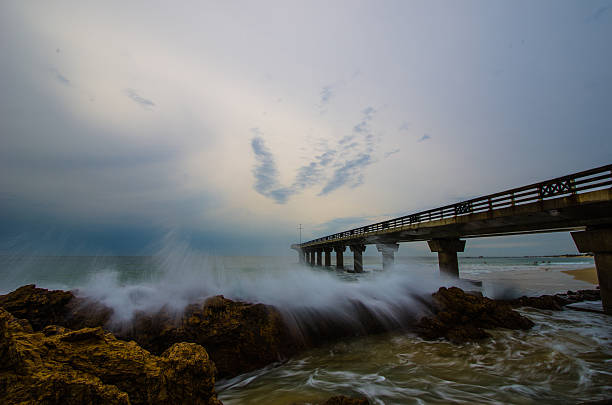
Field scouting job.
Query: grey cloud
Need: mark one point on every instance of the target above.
(363, 127)
(405, 126)
(327, 157)
(265, 171)
(349, 173)
(145, 103)
(346, 139)
(424, 138)
(335, 167)
(266, 174)
(326, 94)
(392, 152)
(307, 176)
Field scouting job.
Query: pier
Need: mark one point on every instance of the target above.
(580, 203)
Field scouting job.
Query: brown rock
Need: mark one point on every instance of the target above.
(461, 317)
(556, 302)
(342, 400)
(39, 306)
(239, 336)
(90, 366)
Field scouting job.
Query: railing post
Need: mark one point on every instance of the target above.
(490, 204)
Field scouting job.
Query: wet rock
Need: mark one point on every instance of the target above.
(39, 306)
(90, 366)
(556, 302)
(42, 307)
(239, 336)
(461, 317)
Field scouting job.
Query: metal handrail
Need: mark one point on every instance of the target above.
(571, 184)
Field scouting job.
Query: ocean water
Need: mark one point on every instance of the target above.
(565, 358)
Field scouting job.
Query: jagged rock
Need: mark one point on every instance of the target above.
(39, 306)
(556, 302)
(461, 317)
(90, 366)
(239, 336)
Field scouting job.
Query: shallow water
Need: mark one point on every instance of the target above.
(566, 358)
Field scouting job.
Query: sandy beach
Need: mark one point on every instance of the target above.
(588, 275)
(537, 282)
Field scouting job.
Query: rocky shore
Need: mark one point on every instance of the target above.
(57, 348)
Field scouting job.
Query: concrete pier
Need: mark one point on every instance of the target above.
(339, 256)
(328, 251)
(388, 253)
(358, 257)
(319, 261)
(311, 261)
(599, 242)
(447, 254)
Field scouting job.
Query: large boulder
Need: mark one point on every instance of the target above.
(39, 306)
(90, 366)
(239, 336)
(461, 317)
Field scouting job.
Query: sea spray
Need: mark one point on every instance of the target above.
(317, 304)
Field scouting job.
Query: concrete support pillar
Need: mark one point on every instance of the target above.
(388, 253)
(311, 261)
(447, 254)
(599, 242)
(328, 251)
(319, 261)
(339, 256)
(358, 257)
(301, 256)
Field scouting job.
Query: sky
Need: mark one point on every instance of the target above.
(228, 124)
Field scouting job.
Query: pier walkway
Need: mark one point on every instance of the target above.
(579, 202)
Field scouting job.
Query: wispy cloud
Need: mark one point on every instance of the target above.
(137, 98)
(62, 79)
(334, 167)
(405, 126)
(391, 152)
(424, 138)
(350, 172)
(326, 94)
(265, 171)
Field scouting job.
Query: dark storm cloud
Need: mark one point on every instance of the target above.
(145, 103)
